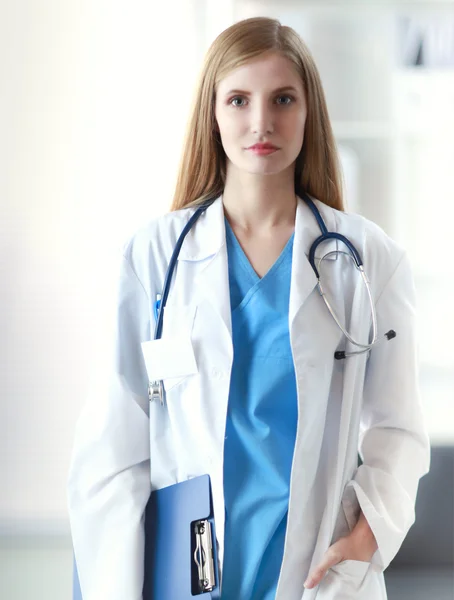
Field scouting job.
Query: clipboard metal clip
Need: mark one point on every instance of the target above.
(203, 555)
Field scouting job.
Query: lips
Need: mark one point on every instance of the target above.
(263, 147)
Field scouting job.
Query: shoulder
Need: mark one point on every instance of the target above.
(158, 235)
(149, 248)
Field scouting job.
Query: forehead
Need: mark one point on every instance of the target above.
(267, 71)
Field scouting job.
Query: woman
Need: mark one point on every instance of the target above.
(257, 398)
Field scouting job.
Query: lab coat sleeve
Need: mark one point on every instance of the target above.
(393, 443)
(109, 477)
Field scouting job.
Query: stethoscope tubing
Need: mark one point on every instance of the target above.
(325, 236)
(160, 304)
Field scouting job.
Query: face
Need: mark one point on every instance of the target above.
(262, 101)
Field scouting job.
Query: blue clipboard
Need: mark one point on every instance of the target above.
(170, 571)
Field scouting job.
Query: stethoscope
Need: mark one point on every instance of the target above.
(156, 388)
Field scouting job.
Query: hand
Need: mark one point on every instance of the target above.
(360, 544)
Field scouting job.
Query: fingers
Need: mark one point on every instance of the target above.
(331, 558)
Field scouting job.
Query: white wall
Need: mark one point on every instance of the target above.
(94, 100)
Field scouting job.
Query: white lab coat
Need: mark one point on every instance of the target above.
(124, 446)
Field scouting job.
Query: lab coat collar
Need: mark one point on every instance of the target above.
(207, 240)
(303, 278)
(208, 236)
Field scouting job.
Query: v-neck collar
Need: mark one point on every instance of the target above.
(246, 263)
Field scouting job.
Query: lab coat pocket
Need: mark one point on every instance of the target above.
(350, 506)
(178, 320)
(170, 359)
(348, 580)
(341, 528)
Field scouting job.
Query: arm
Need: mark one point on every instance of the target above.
(393, 444)
(109, 481)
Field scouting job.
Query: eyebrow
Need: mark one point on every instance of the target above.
(281, 89)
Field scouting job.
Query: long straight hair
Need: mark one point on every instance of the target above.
(202, 170)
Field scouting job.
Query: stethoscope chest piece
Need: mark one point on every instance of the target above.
(156, 392)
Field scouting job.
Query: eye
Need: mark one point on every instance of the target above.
(241, 98)
(236, 98)
(288, 98)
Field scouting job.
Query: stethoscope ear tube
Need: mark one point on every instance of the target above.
(341, 354)
(353, 254)
(363, 347)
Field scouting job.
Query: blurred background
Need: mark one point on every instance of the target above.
(94, 100)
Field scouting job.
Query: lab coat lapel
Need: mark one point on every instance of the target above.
(205, 246)
(303, 278)
(306, 232)
(314, 338)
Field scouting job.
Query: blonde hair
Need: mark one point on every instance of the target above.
(202, 169)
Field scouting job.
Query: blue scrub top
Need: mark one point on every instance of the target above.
(261, 426)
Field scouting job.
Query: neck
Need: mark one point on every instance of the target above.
(259, 203)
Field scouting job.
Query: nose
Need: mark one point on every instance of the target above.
(262, 119)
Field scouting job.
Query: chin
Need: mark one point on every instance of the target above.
(265, 168)
(260, 165)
